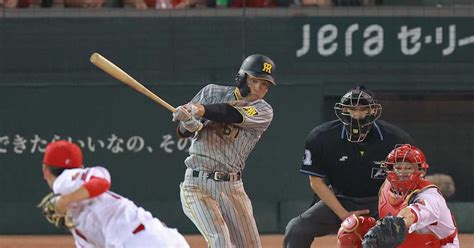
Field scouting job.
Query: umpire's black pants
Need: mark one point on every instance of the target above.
(319, 220)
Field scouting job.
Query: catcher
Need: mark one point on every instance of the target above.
(413, 211)
(95, 216)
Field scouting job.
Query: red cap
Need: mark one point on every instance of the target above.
(63, 154)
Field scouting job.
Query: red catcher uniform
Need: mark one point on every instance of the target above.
(434, 225)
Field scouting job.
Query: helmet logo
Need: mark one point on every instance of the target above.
(267, 67)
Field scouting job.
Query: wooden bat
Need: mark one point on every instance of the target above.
(115, 71)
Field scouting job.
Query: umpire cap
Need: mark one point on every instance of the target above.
(259, 66)
(358, 96)
(63, 154)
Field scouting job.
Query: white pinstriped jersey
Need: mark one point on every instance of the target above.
(108, 220)
(225, 147)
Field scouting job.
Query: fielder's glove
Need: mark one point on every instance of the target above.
(389, 232)
(192, 125)
(50, 212)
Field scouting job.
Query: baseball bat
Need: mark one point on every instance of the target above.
(115, 71)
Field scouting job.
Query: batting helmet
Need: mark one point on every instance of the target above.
(63, 154)
(358, 99)
(404, 184)
(258, 66)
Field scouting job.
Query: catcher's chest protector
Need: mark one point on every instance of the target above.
(389, 205)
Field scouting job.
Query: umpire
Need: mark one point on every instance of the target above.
(342, 158)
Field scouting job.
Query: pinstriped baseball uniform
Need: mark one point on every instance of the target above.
(221, 210)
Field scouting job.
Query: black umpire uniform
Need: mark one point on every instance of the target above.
(352, 169)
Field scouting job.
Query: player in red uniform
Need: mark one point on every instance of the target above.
(413, 212)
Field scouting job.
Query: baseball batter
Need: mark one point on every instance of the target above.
(100, 218)
(423, 217)
(226, 122)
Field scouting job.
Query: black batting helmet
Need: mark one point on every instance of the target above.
(358, 128)
(258, 66)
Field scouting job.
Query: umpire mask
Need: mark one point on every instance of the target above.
(256, 65)
(357, 110)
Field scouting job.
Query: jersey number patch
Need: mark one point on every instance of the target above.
(231, 131)
(307, 157)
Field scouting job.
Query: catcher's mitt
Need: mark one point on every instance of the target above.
(48, 206)
(389, 232)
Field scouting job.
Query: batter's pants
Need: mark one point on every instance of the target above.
(221, 211)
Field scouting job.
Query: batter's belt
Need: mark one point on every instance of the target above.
(217, 175)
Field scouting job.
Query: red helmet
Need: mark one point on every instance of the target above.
(63, 154)
(405, 154)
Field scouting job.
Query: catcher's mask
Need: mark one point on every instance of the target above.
(63, 154)
(258, 66)
(358, 110)
(406, 166)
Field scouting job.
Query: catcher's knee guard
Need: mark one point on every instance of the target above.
(352, 231)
